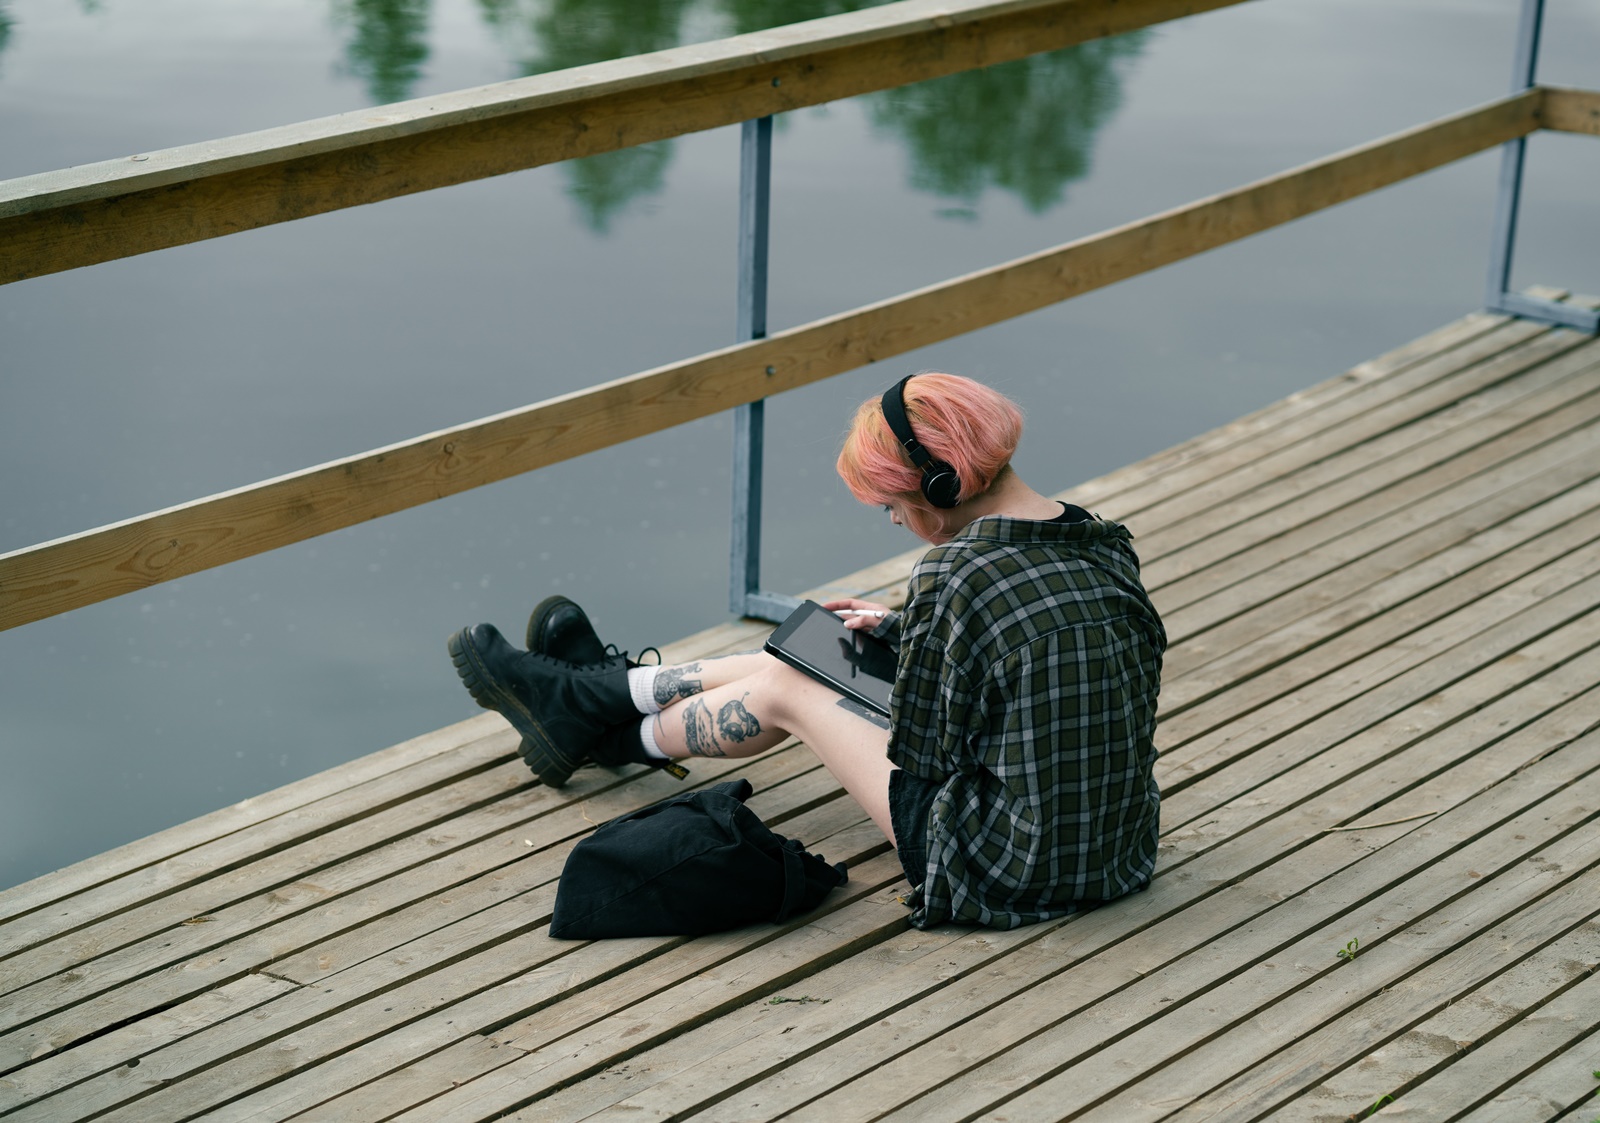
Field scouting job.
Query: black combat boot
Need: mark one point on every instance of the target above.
(560, 709)
(560, 628)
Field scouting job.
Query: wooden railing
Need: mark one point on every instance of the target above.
(100, 212)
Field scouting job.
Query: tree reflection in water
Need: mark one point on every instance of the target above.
(1026, 127)
(388, 44)
(557, 34)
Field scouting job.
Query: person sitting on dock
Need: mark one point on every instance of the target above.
(1015, 772)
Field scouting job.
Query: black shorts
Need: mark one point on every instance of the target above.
(910, 801)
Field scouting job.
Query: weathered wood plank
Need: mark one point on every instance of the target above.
(421, 1016)
(1491, 522)
(1480, 1074)
(1521, 909)
(98, 212)
(1324, 1075)
(53, 577)
(310, 827)
(1357, 614)
(1570, 111)
(262, 927)
(1110, 949)
(35, 894)
(1258, 744)
(125, 1046)
(1325, 481)
(1555, 1089)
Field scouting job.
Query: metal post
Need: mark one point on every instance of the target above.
(1508, 201)
(755, 199)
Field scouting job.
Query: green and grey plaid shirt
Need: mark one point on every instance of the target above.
(1030, 660)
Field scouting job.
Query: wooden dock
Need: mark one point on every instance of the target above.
(1379, 737)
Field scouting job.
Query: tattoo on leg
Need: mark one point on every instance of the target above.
(697, 733)
(674, 683)
(861, 711)
(736, 723)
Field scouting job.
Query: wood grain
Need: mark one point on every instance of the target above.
(1571, 111)
(53, 577)
(118, 208)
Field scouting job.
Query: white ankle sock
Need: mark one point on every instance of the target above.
(642, 688)
(647, 734)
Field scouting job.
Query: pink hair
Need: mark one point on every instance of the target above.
(964, 423)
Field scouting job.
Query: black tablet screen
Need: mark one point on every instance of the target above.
(817, 642)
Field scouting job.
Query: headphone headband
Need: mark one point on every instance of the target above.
(941, 485)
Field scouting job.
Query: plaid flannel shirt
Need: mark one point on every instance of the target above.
(1030, 660)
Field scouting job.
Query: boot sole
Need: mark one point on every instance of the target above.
(491, 695)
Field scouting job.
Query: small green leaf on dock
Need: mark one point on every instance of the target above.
(1349, 951)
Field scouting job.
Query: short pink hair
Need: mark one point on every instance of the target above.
(964, 423)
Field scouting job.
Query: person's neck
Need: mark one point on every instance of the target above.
(1009, 496)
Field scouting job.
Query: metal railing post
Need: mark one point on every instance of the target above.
(1509, 199)
(755, 201)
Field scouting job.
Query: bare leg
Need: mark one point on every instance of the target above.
(754, 712)
(684, 680)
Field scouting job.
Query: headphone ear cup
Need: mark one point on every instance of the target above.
(941, 486)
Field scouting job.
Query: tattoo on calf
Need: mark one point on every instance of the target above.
(697, 733)
(861, 711)
(736, 723)
(674, 683)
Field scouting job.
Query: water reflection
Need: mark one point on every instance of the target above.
(6, 23)
(1025, 127)
(556, 34)
(388, 44)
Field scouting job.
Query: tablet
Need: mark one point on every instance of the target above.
(856, 664)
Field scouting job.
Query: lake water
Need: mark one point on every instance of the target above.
(141, 383)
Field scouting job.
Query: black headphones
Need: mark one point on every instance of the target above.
(941, 486)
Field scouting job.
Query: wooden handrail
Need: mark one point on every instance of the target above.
(1571, 111)
(68, 573)
(119, 208)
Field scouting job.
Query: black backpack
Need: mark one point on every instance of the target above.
(697, 863)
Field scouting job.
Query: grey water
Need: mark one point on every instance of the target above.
(137, 384)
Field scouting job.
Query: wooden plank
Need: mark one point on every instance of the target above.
(1481, 1074)
(1364, 693)
(305, 826)
(1284, 433)
(1236, 761)
(41, 891)
(1392, 447)
(1413, 365)
(99, 212)
(1109, 949)
(1206, 568)
(739, 966)
(412, 1083)
(1186, 553)
(1054, 954)
(1561, 1086)
(46, 579)
(1325, 1074)
(260, 927)
(1570, 111)
(1447, 952)
(1227, 671)
(126, 1045)
(1459, 536)
(1315, 400)
(1223, 991)
(418, 1017)
(377, 955)
(790, 783)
